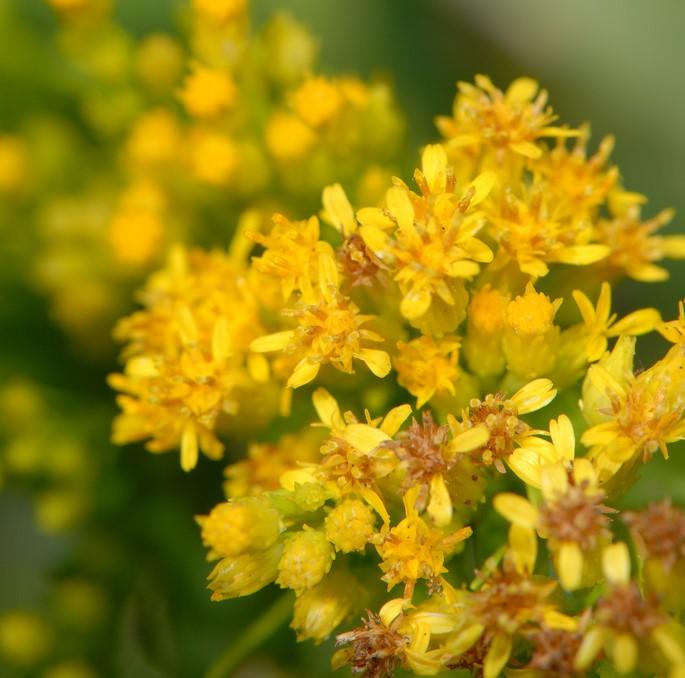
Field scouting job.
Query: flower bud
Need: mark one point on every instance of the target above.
(307, 558)
(235, 527)
(349, 526)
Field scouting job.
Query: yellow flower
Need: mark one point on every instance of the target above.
(427, 456)
(413, 550)
(187, 361)
(287, 137)
(13, 164)
(634, 247)
(327, 332)
(513, 121)
(535, 230)
(159, 62)
(291, 253)
(317, 101)
(600, 323)
(213, 157)
(220, 10)
(135, 236)
(581, 183)
(265, 463)
(155, 139)
(432, 248)
(626, 622)
(509, 600)
(355, 457)
(645, 413)
(498, 417)
(208, 92)
(25, 638)
(531, 339)
(427, 367)
(572, 516)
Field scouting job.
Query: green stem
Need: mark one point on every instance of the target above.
(252, 638)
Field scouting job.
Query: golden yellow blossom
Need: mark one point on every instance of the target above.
(498, 417)
(432, 248)
(505, 121)
(213, 157)
(485, 319)
(413, 550)
(626, 622)
(287, 137)
(600, 323)
(327, 332)
(535, 229)
(155, 139)
(208, 92)
(317, 101)
(634, 246)
(350, 525)
(220, 10)
(427, 367)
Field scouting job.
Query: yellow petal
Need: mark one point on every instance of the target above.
(338, 209)
(376, 503)
(481, 187)
(375, 218)
(527, 149)
(582, 255)
(221, 340)
(395, 418)
(328, 274)
(440, 505)
(497, 656)
(587, 310)
(392, 609)
(299, 476)
(326, 407)
(673, 246)
(553, 481)
(272, 342)
(591, 645)
(563, 437)
(516, 509)
(376, 360)
(364, 437)
(258, 367)
(189, 449)
(434, 167)
(616, 563)
(471, 439)
(415, 303)
(534, 396)
(636, 323)
(570, 564)
(521, 90)
(670, 644)
(557, 620)
(624, 653)
(604, 382)
(400, 207)
(584, 473)
(303, 373)
(523, 548)
(464, 640)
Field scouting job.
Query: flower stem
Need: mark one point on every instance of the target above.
(252, 638)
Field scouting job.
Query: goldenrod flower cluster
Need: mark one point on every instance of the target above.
(476, 292)
(175, 135)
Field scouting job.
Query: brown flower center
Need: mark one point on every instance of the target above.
(554, 652)
(420, 450)
(376, 650)
(576, 516)
(625, 610)
(501, 418)
(659, 531)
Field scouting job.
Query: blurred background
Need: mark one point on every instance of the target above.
(101, 565)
